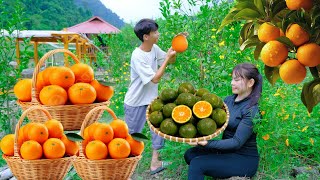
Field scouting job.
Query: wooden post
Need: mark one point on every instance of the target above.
(36, 56)
(18, 51)
(66, 46)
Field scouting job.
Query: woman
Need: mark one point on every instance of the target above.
(236, 153)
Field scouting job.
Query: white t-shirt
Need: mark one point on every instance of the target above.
(143, 67)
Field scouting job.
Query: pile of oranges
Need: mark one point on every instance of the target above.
(40, 141)
(103, 141)
(275, 53)
(60, 85)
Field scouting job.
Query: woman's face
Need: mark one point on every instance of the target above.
(240, 85)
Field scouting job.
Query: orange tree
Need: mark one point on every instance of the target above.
(285, 35)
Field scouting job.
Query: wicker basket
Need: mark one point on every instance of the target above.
(188, 140)
(119, 169)
(71, 116)
(36, 169)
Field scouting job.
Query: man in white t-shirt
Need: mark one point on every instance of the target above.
(145, 76)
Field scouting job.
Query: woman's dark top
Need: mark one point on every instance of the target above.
(238, 137)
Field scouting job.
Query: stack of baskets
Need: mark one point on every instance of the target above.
(71, 116)
(36, 169)
(188, 140)
(103, 169)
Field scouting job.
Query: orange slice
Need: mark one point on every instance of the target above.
(181, 114)
(202, 109)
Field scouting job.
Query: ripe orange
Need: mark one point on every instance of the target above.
(26, 129)
(86, 133)
(309, 54)
(179, 43)
(62, 76)
(298, 4)
(104, 93)
(55, 128)
(96, 150)
(297, 34)
(136, 147)
(91, 129)
(120, 128)
(274, 53)
(31, 150)
(22, 90)
(47, 73)
(53, 148)
(181, 114)
(268, 32)
(72, 148)
(292, 72)
(53, 95)
(40, 81)
(38, 132)
(103, 132)
(7, 143)
(83, 72)
(82, 93)
(20, 136)
(119, 148)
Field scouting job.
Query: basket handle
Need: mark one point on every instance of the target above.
(23, 115)
(34, 94)
(88, 120)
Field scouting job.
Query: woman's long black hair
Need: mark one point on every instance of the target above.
(250, 71)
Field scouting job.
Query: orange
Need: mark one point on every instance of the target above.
(96, 150)
(62, 76)
(82, 93)
(31, 150)
(298, 4)
(103, 132)
(7, 143)
(53, 148)
(53, 95)
(86, 133)
(309, 54)
(104, 93)
(119, 148)
(82, 72)
(40, 81)
(268, 32)
(274, 53)
(21, 138)
(120, 128)
(292, 72)
(38, 132)
(181, 114)
(202, 109)
(55, 128)
(91, 129)
(22, 90)
(46, 74)
(179, 43)
(136, 147)
(72, 148)
(297, 34)
(26, 129)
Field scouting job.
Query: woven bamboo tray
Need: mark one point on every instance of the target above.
(115, 169)
(42, 169)
(71, 116)
(188, 140)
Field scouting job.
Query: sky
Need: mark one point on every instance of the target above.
(131, 11)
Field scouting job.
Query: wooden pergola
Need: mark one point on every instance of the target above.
(81, 42)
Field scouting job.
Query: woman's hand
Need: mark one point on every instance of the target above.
(201, 143)
(193, 143)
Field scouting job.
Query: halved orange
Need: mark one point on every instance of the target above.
(181, 114)
(202, 109)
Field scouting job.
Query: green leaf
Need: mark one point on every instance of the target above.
(272, 74)
(278, 7)
(106, 83)
(252, 41)
(260, 6)
(310, 94)
(286, 41)
(257, 50)
(247, 4)
(248, 14)
(228, 19)
(314, 71)
(74, 137)
(139, 136)
(245, 31)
